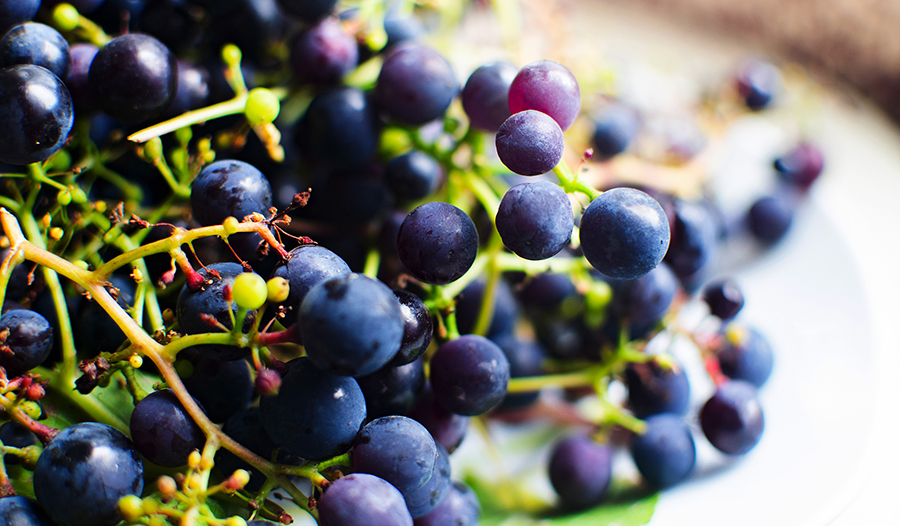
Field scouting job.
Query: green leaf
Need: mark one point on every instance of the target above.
(631, 513)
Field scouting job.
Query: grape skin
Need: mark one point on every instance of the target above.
(548, 87)
(163, 431)
(27, 342)
(437, 243)
(485, 97)
(624, 233)
(580, 471)
(469, 375)
(229, 188)
(306, 267)
(530, 143)
(665, 453)
(22, 511)
(535, 220)
(416, 84)
(397, 449)
(38, 44)
(732, 419)
(362, 500)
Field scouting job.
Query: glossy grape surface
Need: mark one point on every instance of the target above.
(27, 338)
(653, 389)
(469, 375)
(746, 355)
(624, 233)
(460, 507)
(732, 419)
(535, 220)
(530, 143)
(351, 325)
(340, 126)
(418, 328)
(362, 500)
(308, 265)
(437, 243)
(580, 471)
(393, 390)
(665, 453)
(36, 112)
(724, 298)
(15, 12)
(397, 449)
(22, 511)
(163, 431)
(134, 78)
(413, 175)
(432, 493)
(416, 84)
(485, 97)
(548, 87)
(323, 53)
(229, 188)
(84, 471)
(37, 44)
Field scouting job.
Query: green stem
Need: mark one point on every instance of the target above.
(570, 183)
(373, 260)
(526, 384)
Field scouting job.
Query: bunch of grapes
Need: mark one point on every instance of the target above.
(261, 252)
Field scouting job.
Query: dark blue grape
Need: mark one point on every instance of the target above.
(642, 302)
(801, 166)
(401, 28)
(665, 453)
(163, 431)
(36, 112)
(315, 415)
(535, 220)
(351, 325)
(222, 387)
(77, 80)
(746, 355)
(694, 245)
(505, 313)
(306, 267)
(323, 53)
(724, 298)
(413, 175)
(460, 507)
(193, 91)
(209, 299)
(654, 389)
(624, 233)
(437, 243)
(14, 434)
(95, 331)
(580, 471)
(432, 493)
(308, 10)
(26, 339)
(15, 12)
(134, 78)
(37, 44)
(340, 126)
(416, 84)
(614, 130)
(172, 22)
(530, 143)
(22, 511)
(547, 293)
(448, 429)
(485, 97)
(393, 390)
(770, 218)
(418, 328)
(732, 419)
(362, 500)
(548, 87)
(758, 83)
(469, 375)
(397, 449)
(526, 358)
(84, 471)
(247, 430)
(229, 188)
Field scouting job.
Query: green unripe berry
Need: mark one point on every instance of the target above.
(153, 149)
(65, 17)
(61, 161)
(278, 288)
(131, 508)
(64, 197)
(235, 521)
(262, 107)
(249, 291)
(32, 409)
(184, 135)
(78, 195)
(231, 54)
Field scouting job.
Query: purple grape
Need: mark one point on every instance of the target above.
(432, 493)
(770, 218)
(413, 175)
(653, 389)
(547, 292)
(469, 375)
(84, 471)
(208, 300)
(22, 511)
(694, 245)
(448, 429)
(416, 84)
(134, 78)
(15, 12)
(758, 82)
(642, 302)
(614, 130)
(580, 471)
(193, 89)
(485, 98)
(323, 53)
(229, 188)
(665, 453)
(437, 243)
(26, 339)
(724, 298)
(746, 355)
(535, 220)
(401, 28)
(362, 500)
(459, 507)
(305, 268)
(81, 56)
(397, 449)
(340, 126)
(308, 10)
(732, 419)
(163, 431)
(530, 143)
(468, 308)
(37, 44)
(351, 325)
(222, 387)
(624, 233)
(315, 415)
(526, 358)
(393, 390)
(548, 87)
(246, 428)
(801, 166)
(418, 328)
(35, 112)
